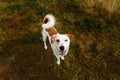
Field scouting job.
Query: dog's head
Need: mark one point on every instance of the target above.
(61, 42)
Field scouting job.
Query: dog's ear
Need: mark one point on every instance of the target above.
(53, 38)
(71, 36)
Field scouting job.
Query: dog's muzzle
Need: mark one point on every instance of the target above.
(62, 50)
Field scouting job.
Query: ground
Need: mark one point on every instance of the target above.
(94, 52)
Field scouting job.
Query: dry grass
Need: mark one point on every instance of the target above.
(3, 5)
(94, 53)
(111, 6)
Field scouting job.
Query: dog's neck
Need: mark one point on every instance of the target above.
(52, 31)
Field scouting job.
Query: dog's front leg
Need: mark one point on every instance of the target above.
(58, 59)
(62, 57)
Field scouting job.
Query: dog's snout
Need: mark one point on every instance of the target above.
(61, 47)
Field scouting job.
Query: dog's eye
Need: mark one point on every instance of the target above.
(57, 40)
(66, 40)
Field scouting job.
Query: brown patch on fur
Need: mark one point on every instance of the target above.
(71, 36)
(45, 20)
(51, 31)
(53, 38)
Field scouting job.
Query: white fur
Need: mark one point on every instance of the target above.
(51, 22)
(63, 39)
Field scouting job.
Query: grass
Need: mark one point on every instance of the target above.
(110, 6)
(94, 53)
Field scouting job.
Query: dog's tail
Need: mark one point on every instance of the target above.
(48, 21)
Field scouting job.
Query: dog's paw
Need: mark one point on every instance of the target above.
(45, 47)
(58, 62)
(62, 58)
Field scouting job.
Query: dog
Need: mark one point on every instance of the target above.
(59, 42)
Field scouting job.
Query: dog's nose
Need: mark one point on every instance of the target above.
(61, 47)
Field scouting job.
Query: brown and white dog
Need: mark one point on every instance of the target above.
(59, 42)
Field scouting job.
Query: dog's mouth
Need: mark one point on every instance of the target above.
(62, 52)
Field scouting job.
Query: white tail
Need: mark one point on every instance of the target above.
(48, 21)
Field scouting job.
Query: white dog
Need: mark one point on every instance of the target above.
(59, 42)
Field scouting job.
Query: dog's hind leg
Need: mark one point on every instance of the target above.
(44, 39)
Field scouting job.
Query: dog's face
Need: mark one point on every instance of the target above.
(61, 42)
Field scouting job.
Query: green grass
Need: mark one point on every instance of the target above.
(94, 53)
